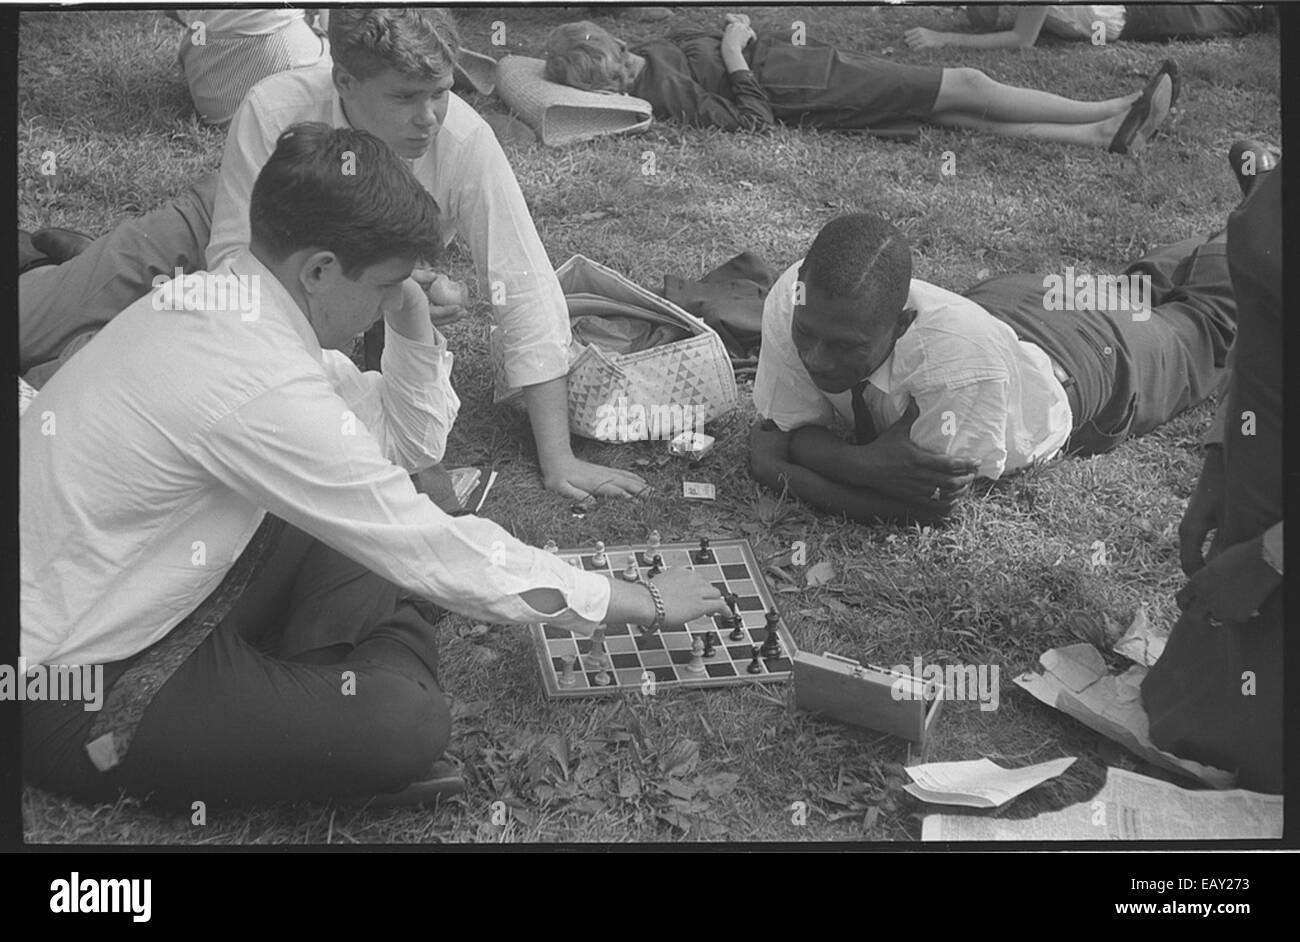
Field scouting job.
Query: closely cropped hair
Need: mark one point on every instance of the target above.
(859, 255)
(344, 191)
(582, 55)
(418, 43)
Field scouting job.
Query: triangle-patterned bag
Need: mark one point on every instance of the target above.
(652, 394)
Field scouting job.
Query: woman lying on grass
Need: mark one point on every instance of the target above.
(739, 80)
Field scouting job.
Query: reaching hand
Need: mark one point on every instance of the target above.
(574, 478)
(1231, 586)
(894, 465)
(741, 18)
(918, 37)
(687, 595)
(1202, 514)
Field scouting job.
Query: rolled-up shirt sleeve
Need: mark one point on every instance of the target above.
(249, 145)
(482, 201)
(409, 406)
(287, 451)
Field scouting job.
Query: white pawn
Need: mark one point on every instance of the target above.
(551, 546)
(631, 573)
(696, 664)
(599, 559)
(653, 544)
(569, 678)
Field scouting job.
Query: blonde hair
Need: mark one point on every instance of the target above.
(582, 55)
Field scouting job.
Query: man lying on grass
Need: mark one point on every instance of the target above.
(391, 75)
(158, 464)
(734, 78)
(941, 388)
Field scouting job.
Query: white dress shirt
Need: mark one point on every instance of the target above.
(468, 175)
(982, 393)
(148, 461)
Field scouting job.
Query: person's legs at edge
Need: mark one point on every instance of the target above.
(58, 302)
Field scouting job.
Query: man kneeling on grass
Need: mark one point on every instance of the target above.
(217, 508)
(942, 388)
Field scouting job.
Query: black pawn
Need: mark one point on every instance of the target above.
(737, 629)
(733, 603)
(708, 644)
(755, 666)
(656, 565)
(705, 555)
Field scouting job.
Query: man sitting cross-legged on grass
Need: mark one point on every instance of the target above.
(158, 463)
(942, 388)
(391, 75)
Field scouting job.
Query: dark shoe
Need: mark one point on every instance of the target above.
(29, 256)
(442, 780)
(1147, 113)
(1249, 161)
(61, 244)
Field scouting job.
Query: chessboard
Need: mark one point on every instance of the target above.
(638, 662)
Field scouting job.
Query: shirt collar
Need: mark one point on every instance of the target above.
(275, 300)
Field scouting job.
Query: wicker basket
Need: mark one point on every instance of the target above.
(562, 115)
(639, 396)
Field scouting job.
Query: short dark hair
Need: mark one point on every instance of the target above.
(858, 255)
(344, 191)
(419, 43)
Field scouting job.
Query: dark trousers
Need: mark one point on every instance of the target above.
(59, 304)
(1164, 21)
(317, 684)
(1129, 375)
(1215, 695)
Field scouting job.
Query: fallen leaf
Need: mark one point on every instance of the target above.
(629, 786)
(720, 784)
(820, 574)
(681, 758)
(835, 605)
(679, 789)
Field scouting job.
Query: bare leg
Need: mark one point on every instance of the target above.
(1096, 134)
(971, 92)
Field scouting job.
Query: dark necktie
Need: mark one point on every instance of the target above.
(864, 430)
(114, 728)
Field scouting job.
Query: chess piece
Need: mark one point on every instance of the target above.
(709, 641)
(631, 573)
(696, 664)
(569, 677)
(755, 666)
(551, 546)
(599, 559)
(733, 603)
(705, 555)
(596, 657)
(652, 547)
(656, 565)
(772, 643)
(737, 628)
(602, 678)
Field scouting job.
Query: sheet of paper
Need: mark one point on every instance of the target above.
(1075, 681)
(1143, 643)
(1129, 807)
(978, 783)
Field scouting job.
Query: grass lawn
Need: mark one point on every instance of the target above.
(1011, 576)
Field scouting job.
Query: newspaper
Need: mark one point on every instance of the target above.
(1075, 681)
(978, 783)
(1129, 807)
(1143, 643)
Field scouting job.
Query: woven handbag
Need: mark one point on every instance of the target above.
(562, 115)
(649, 395)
